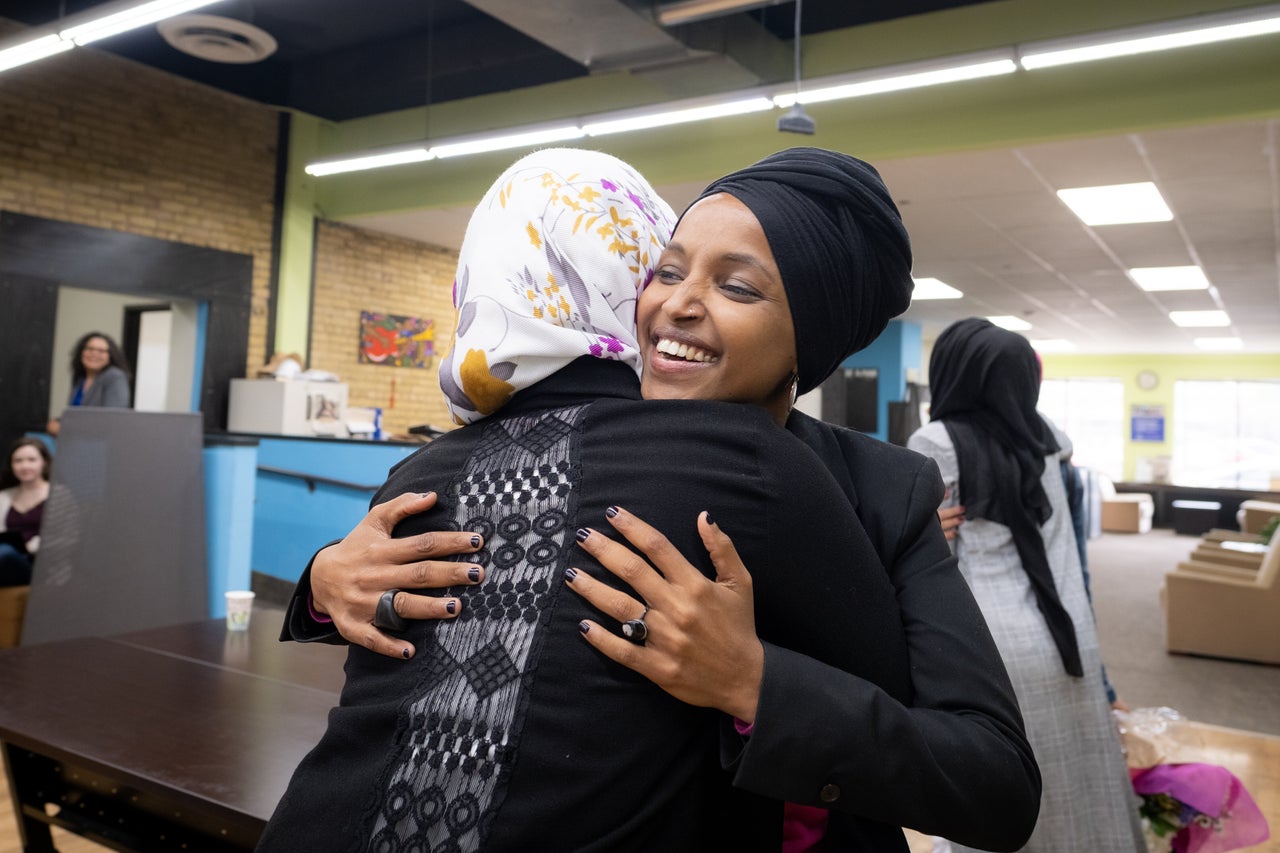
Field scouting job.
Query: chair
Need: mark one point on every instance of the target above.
(1243, 555)
(13, 609)
(1253, 515)
(1125, 512)
(1223, 611)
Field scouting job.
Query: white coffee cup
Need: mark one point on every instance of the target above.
(239, 608)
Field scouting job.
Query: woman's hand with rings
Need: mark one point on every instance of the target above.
(349, 578)
(700, 641)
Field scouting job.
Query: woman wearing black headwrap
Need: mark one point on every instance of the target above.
(1017, 550)
(948, 761)
(776, 275)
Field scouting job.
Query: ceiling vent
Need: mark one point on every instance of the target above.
(217, 39)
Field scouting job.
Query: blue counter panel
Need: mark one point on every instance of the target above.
(292, 518)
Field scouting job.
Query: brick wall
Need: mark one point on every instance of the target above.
(358, 270)
(89, 138)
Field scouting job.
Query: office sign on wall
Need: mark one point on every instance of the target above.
(1146, 423)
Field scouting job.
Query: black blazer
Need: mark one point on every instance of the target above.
(605, 760)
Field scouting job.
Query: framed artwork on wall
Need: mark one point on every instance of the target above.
(396, 341)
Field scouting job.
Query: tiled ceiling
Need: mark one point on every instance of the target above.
(990, 224)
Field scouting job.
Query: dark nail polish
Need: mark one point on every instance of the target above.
(582, 534)
(475, 541)
(404, 653)
(570, 575)
(709, 521)
(452, 607)
(611, 511)
(584, 627)
(473, 574)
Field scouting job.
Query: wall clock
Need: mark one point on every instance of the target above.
(1148, 380)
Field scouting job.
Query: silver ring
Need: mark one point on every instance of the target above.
(386, 617)
(636, 630)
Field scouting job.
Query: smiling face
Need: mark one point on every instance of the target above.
(95, 356)
(27, 464)
(714, 323)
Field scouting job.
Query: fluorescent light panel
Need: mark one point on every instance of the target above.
(1117, 204)
(1200, 319)
(1169, 278)
(1013, 324)
(369, 161)
(1205, 29)
(484, 144)
(114, 23)
(604, 125)
(1219, 344)
(888, 80)
(30, 51)
(1053, 345)
(100, 22)
(932, 288)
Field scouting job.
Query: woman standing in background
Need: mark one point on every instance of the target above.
(1017, 551)
(99, 375)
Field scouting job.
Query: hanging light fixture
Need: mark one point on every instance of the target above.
(796, 120)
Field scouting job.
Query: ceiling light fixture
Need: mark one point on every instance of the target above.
(628, 120)
(1200, 319)
(1117, 204)
(1219, 344)
(521, 139)
(368, 161)
(1169, 278)
(933, 288)
(30, 51)
(901, 77)
(1053, 345)
(83, 28)
(1013, 324)
(1203, 29)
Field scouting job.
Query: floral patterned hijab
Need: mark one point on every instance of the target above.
(553, 260)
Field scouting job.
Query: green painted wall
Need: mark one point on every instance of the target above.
(1169, 369)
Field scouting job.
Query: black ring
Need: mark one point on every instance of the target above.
(386, 617)
(636, 630)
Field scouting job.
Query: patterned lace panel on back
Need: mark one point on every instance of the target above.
(447, 783)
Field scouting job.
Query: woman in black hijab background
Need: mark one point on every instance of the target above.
(1017, 550)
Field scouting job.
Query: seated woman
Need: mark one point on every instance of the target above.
(99, 375)
(22, 508)
(824, 264)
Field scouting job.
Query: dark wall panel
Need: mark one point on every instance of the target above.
(33, 248)
(26, 335)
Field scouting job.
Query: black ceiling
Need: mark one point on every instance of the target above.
(343, 59)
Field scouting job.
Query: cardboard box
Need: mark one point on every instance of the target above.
(1127, 513)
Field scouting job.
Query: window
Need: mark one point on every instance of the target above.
(1091, 413)
(1226, 434)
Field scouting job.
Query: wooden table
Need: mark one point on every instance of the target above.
(179, 738)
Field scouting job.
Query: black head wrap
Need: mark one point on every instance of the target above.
(984, 383)
(840, 246)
